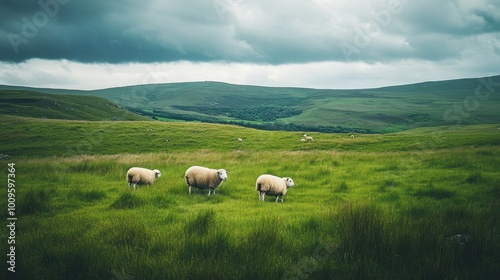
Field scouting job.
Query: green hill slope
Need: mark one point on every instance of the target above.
(30, 137)
(70, 107)
(388, 109)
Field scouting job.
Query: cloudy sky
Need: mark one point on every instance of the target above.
(90, 44)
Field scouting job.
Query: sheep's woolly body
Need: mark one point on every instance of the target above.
(141, 176)
(273, 186)
(204, 178)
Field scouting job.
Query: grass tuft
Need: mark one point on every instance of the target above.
(362, 232)
(125, 232)
(35, 201)
(473, 178)
(87, 195)
(127, 201)
(343, 187)
(434, 192)
(201, 224)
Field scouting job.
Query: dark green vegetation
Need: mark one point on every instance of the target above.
(419, 204)
(258, 113)
(70, 107)
(388, 109)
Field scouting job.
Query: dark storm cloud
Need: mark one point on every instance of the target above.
(274, 32)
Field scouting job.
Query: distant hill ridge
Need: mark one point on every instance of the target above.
(385, 109)
(58, 106)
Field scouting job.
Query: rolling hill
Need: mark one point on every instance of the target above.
(387, 109)
(70, 107)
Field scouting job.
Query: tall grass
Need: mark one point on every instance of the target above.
(377, 244)
(430, 214)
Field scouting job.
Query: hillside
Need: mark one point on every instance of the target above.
(69, 107)
(387, 109)
(45, 137)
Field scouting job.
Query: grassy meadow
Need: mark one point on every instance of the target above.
(419, 204)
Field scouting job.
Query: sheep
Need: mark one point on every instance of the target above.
(307, 138)
(141, 176)
(240, 140)
(273, 186)
(352, 135)
(204, 178)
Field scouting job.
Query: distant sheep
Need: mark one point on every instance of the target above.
(273, 186)
(204, 178)
(352, 135)
(240, 140)
(141, 176)
(307, 138)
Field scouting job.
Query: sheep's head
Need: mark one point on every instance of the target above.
(157, 173)
(222, 174)
(288, 181)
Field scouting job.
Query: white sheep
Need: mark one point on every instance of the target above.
(240, 140)
(273, 186)
(204, 178)
(306, 138)
(352, 135)
(141, 176)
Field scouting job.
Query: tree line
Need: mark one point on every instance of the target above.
(155, 114)
(257, 113)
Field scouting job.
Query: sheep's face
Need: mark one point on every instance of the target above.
(222, 174)
(289, 182)
(157, 173)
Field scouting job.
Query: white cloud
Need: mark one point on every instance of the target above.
(317, 43)
(335, 75)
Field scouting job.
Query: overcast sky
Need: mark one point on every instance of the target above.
(90, 44)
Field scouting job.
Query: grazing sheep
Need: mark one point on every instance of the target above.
(352, 135)
(306, 138)
(240, 140)
(141, 176)
(204, 178)
(273, 186)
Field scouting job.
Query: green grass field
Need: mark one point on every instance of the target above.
(419, 204)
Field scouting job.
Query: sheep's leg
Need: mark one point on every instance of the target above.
(209, 191)
(277, 197)
(190, 190)
(261, 196)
